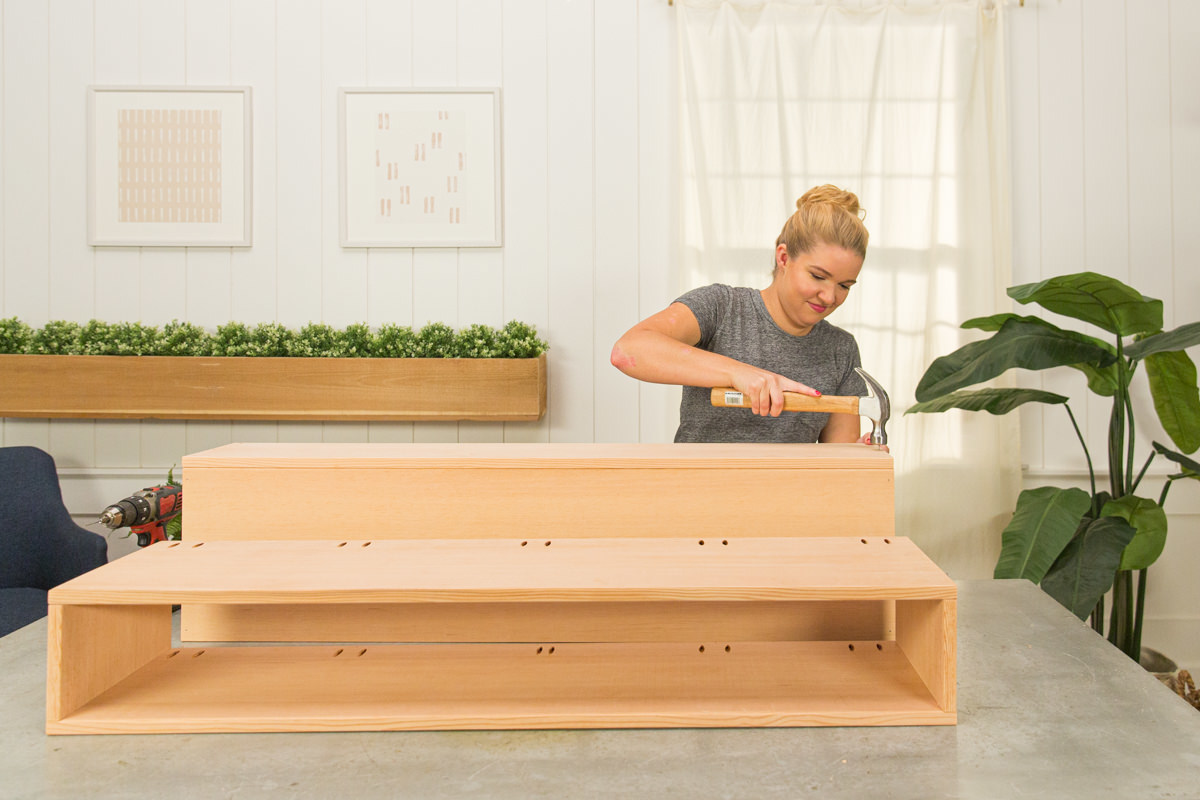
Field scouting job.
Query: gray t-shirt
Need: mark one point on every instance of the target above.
(735, 322)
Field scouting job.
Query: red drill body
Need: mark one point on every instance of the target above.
(146, 513)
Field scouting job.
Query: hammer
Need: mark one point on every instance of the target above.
(876, 406)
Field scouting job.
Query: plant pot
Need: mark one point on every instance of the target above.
(197, 387)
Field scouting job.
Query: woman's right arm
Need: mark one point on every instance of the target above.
(662, 349)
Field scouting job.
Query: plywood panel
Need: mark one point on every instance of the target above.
(577, 570)
(539, 622)
(515, 686)
(551, 491)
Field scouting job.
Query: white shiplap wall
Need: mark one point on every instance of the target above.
(1106, 139)
(588, 135)
(1105, 150)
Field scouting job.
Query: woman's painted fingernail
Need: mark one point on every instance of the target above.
(818, 392)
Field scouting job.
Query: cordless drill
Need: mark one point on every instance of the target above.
(146, 513)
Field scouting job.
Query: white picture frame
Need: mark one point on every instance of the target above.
(169, 166)
(420, 167)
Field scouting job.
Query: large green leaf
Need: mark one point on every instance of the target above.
(1149, 520)
(1103, 381)
(1088, 565)
(1094, 298)
(1176, 398)
(1018, 344)
(993, 401)
(1043, 523)
(1181, 338)
(1190, 468)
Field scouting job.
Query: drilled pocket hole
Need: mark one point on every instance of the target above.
(173, 544)
(198, 544)
(878, 647)
(547, 544)
(343, 544)
(366, 544)
(551, 650)
(701, 648)
(887, 541)
(851, 648)
(338, 653)
(524, 543)
(727, 648)
(701, 541)
(864, 541)
(362, 652)
(197, 655)
(725, 541)
(173, 654)
(539, 651)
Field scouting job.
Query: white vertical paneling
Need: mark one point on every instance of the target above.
(1026, 197)
(658, 280)
(343, 271)
(298, 125)
(72, 274)
(435, 271)
(162, 61)
(162, 47)
(343, 63)
(1184, 26)
(208, 270)
(1063, 206)
(480, 269)
(252, 63)
(389, 270)
(118, 269)
(526, 176)
(616, 177)
(298, 201)
(26, 156)
(571, 199)
(1147, 38)
(252, 278)
(1106, 180)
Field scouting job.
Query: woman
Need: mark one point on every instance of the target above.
(764, 343)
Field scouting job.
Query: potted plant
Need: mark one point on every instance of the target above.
(1078, 545)
(268, 372)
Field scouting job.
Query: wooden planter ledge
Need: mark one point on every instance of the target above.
(351, 389)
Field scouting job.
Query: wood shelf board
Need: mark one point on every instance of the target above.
(544, 455)
(399, 687)
(510, 570)
(759, 621)
(167, 387)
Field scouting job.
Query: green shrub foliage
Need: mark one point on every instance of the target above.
(270, 339)
(14, 336)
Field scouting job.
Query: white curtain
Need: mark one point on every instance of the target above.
(904, 104)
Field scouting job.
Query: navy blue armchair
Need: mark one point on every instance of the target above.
(40, 546)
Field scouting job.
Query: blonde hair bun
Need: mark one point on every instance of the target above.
(825, 215)
(828, 193)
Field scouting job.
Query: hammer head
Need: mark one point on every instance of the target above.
(876, 406)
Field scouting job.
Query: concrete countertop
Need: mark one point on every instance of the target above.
(1046, 709)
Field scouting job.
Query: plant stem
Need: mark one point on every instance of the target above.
(1129, 451)
(1098, 616)
(1162, 498)
(1145, 467)
(1086, 453)
(1137, 618)
(1116, 427)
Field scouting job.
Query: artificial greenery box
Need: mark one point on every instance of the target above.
(267, 371)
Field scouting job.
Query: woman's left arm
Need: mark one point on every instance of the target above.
(841, 428)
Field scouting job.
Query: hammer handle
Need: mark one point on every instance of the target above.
(724, 397)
